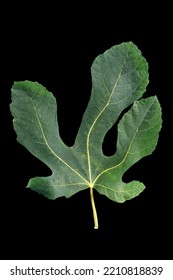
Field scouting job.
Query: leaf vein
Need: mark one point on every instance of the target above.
(117, 191)
(52, 151)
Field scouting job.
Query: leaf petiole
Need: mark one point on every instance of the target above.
(96, 225)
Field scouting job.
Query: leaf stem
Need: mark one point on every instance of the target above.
(94, 208)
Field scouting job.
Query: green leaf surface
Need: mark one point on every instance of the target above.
(119, 78)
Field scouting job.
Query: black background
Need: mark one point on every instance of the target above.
(56, 47)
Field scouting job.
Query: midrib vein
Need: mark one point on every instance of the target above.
(52, 151)
(96, 119)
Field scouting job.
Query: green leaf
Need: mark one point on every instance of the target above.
(119, 77)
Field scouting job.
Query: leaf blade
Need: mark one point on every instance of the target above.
(138, 132)
(120, 77)
(106, 105)
(35, 122)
